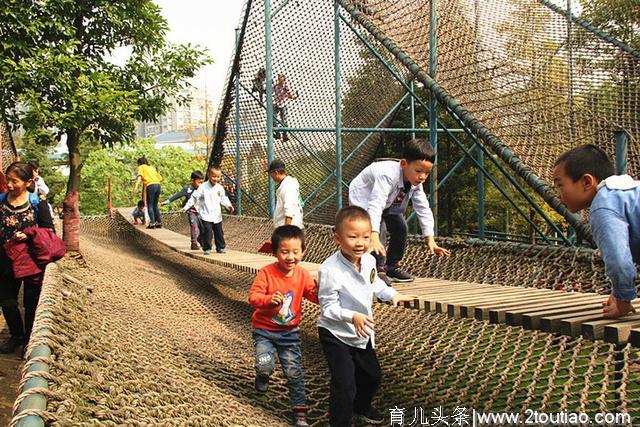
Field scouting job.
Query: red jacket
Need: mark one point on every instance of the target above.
(30, 257)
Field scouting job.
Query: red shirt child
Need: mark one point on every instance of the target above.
(276, 294)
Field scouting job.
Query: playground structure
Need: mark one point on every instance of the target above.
(525, 80)
(134, 331)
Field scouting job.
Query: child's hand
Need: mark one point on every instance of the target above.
(434, 249)
(165, 203)
(276, 299)
(398, 298)
(19, 236)
(613, 308)
(363, 324)
(232, 209)
(376, 246)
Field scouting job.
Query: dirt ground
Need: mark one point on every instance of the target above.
(10, 366)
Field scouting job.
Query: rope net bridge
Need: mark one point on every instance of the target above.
(146, 335)
(528, 79)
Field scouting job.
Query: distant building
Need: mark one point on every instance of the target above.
(196, 114)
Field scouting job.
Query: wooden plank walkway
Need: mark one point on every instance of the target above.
(552, 311)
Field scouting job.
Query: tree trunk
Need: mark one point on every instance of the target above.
(71, 211)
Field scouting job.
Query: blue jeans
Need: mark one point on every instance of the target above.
(287, 345)
(194, 225)
(395, 227)
(153, 198)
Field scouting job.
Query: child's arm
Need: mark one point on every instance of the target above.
(425, 215)
(176, 196)
(611, 232)
(258, 297)
(195, 196)
(387, 293)
(329, 299)
(224, 200)
(291, 199)
(382, 187)
(310, 288)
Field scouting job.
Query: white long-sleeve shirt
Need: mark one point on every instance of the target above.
(288, 203)
(207, 199)
(377, 187)
(344, 291)
(41, 188)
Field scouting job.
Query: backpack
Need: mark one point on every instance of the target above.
(33, 199)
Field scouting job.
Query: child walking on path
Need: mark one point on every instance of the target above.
(288, 203)
(207, 200)
(277, 294)
(384, 190)
(192, 214)
(138, 213)
(151, 179)
(348, 281)
(585, 178)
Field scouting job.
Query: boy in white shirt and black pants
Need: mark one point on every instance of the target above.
(288, 202)
(384, 189)
(207, 199)
(347, 282)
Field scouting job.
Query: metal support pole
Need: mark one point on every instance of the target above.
(433, 117)
(412, 107)
(480, 178)
(570, 73)
(621, 152)
(269, 99)
(338, 108)
(238, 164)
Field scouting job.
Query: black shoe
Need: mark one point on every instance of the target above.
(150, 226)
(158, 225)
(262, 384)
(11, 345)
(194, 246)
(397, 275)
(372, 417)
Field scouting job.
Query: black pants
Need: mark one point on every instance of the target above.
(209, 232)
(355, 377)
(9, 289)
(395, 227)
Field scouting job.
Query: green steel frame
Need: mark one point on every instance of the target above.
(482, 139)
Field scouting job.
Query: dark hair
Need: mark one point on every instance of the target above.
(140, 203)
(34, 164)
(143, 161)
(197, 175)
(214, 168)
(286, 232)
(418, 149)
(23, 170)
(350, 213)
(587, 158)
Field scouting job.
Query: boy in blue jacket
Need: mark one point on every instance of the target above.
(585, 178)
(197, 178)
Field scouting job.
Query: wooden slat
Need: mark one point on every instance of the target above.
(620, 332)
(634, 337)
(573, 325)
(531, 320)
(483, 312)
(514, 317)
(552, 323)
(595, 330)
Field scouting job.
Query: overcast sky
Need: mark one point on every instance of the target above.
(209, 23)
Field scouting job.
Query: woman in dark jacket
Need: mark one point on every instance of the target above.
(18, 211)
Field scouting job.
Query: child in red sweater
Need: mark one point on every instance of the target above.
(276, 294)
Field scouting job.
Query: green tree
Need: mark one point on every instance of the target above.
(174, 164)
(60, 79)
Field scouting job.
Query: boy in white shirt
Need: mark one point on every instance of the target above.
(288, 204)
(384, 189)
(347, 283)
(207, 199)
